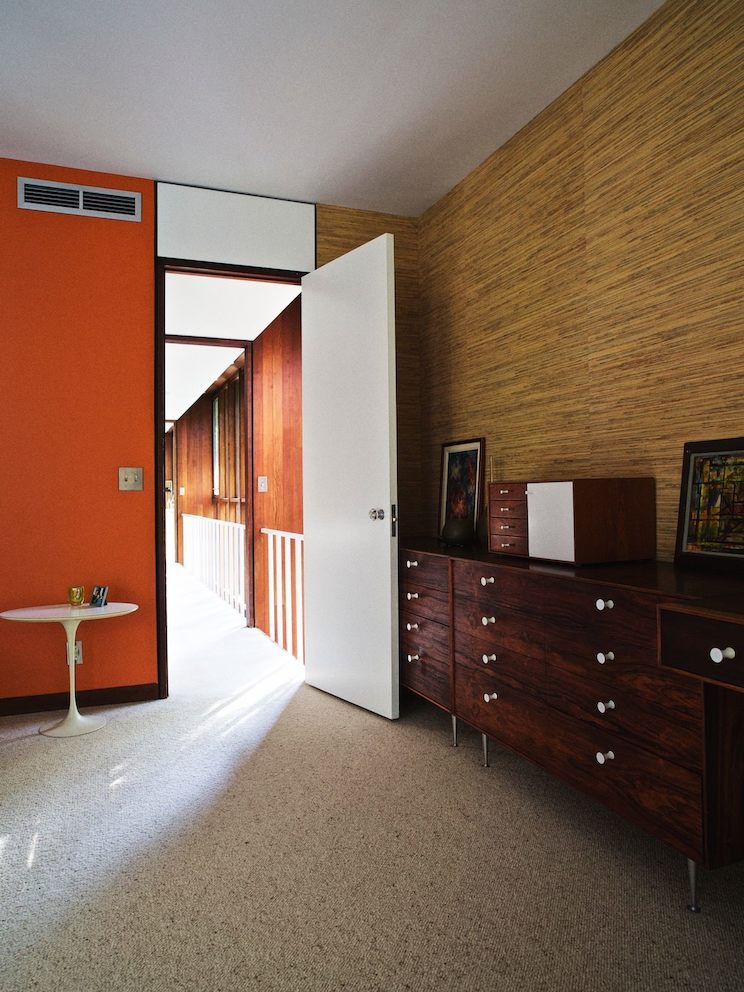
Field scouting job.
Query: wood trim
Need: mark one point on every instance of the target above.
(164, 265)
(115, 695)
(211, 342)
(225, 271)
(249, 557)
(161, 608)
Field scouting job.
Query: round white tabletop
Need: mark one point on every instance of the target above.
(74, 724)
(62, 612)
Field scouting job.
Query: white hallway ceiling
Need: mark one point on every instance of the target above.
(212, 307)
(383, 104)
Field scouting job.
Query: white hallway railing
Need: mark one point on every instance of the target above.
(214, 552)
(286, 626)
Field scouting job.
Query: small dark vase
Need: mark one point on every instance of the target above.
(458, 532)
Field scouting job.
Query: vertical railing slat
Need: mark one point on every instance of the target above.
(285, 590)
(213, 551)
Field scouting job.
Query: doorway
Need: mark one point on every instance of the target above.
(207, 320)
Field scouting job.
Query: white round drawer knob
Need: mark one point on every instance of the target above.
(503, 492)
(411, 564)
(411, 595)
(603, 707)
(603, 656)
(486, 620)
(488, 657)
(488, 696)
(487, 581)
(606, 756)
(414, 657)
(412, 626)
(605, 604)
(718, 654)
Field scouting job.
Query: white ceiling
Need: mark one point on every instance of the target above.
(190, 369)
(383, 104)
(212, 307)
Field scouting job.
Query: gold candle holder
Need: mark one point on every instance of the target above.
(76, 595)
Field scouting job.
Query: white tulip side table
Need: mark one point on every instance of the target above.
(74, 724)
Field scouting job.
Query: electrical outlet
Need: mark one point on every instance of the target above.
(78, 652)
(263, 483)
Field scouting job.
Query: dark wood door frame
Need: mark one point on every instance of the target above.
(190, 266)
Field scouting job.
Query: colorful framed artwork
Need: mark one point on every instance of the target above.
(710, 529)
(461, 485)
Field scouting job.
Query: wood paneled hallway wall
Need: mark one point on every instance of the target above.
(577, 298)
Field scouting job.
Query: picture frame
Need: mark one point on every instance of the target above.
(99, 596)
(461, 485)
(710, 525)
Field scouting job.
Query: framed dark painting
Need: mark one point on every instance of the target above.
(710, 528)
(461, 483)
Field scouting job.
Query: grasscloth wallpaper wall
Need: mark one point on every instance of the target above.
(582, 290)
(578, 298)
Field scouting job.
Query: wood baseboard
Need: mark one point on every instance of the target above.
(16, 705)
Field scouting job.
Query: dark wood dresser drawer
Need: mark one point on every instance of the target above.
(486, 583)
(421, 601)
(505, 625)
(706, 645)
(520, 670)
(662, 797)
(498, 706)
(423, 569)
(664, 719)
(424, 660)
(592, 617)
(498, 492)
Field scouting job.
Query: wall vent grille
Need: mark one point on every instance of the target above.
(90, 201)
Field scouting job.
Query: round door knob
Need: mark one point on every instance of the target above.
(412, 626)
(487, 581)
(603, 656)
(488, 657)
(605, 604)
(488, 696)
(414, 657)
(412, 595)
(486, 620)
(411, 564)
(603, 707)
(718, 654)
(606, 756)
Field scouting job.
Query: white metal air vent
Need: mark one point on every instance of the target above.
(90, 201)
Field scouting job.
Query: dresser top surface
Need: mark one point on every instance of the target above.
(661, 578)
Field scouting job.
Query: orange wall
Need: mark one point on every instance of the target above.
(76, 401)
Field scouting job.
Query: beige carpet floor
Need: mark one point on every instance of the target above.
(253, 833)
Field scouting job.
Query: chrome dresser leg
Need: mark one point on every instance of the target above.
(454, 730)
(484, 738)
(694, 906)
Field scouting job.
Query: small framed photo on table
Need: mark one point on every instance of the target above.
(99, 596)
(710, 527)
(462, 484)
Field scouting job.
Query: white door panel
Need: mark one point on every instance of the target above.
(349, 468)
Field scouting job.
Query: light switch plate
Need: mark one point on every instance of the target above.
(131, 479)
(263, 483)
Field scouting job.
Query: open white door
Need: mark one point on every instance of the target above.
(349, 469)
